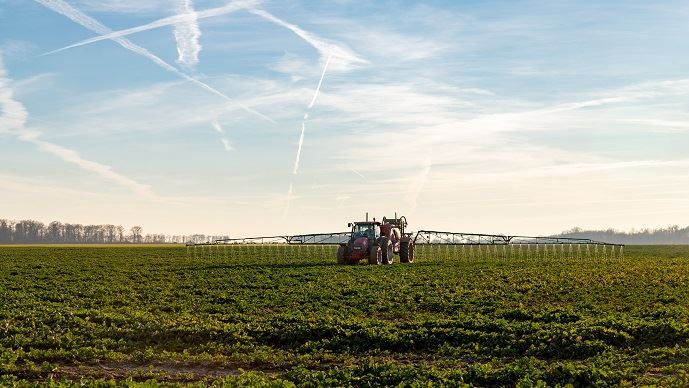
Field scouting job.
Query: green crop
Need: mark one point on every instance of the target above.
(282, 316)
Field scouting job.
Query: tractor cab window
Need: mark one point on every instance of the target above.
(369, 231)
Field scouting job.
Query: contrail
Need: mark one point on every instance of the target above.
(320, 82)
(168, 21)
(13, 120)
(301, 142)
(79, 17)
(306, 116)
(288, 201)
(358, 173)
(187, 34)
(295, 171)
(324, 48)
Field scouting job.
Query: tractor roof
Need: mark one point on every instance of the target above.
(367, 223)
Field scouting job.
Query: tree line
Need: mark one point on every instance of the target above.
(669, 235)
(35, 232)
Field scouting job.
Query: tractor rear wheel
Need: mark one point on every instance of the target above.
(407, 252)
(386, 247)
(341, 252)
(375, 257)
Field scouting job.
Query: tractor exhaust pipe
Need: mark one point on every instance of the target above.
(366, 216)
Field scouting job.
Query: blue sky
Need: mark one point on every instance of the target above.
(472, 116)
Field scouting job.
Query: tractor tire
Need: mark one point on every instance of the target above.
(341, 253)
(386, 247)
(375, 257)
(407, 252)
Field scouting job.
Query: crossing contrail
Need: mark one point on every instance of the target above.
(79, 17)
(187, 34)
(324, 47)
(295, 171)
(168, 21)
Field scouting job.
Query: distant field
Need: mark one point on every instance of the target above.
(83, 314)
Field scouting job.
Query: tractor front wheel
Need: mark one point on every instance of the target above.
(387, 250)
(341, 253)
(375, 257)
(407, 252)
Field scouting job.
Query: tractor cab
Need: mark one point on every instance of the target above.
(370, 230)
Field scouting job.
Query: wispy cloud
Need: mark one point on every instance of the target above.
(79, 17)
(14, 48)
(565, 170)
(658, 125)
(381, 44)
(103, 170)
(187, 34)
(226, 143)
(13, 121)
(30, 185)
(33, 83)
(408, 120)
(14, 115)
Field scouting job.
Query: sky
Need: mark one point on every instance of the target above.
(262, 117)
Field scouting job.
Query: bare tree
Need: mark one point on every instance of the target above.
(120, 233)
(6, 231)
(79, 233)
(135, 234)
(54, 232)
(110, 233)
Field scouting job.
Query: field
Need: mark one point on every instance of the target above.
(121, 315)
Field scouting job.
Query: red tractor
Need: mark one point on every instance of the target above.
(377, 242)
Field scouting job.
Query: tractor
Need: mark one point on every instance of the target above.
(377, 242)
